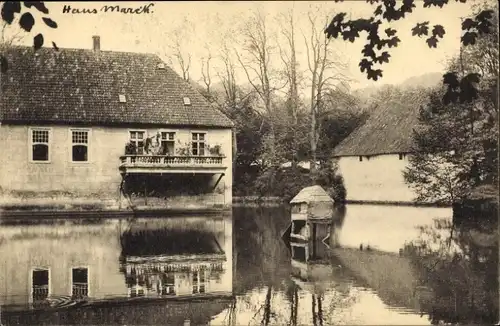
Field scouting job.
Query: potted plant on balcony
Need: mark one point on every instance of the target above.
(130, 149)
(215, 150)
(183, 149)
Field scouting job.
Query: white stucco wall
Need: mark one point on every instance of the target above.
(377, 178)
(59, 248)
(100, 176)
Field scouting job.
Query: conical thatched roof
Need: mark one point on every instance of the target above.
(311, 194)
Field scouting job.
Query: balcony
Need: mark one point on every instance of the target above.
(80, 290)
(40, 292)
(172, 164)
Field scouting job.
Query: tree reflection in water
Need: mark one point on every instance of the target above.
(264, 259)
(262, 256)
(458, 266)
(292, 295)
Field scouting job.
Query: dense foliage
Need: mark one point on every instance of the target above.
(455, 148)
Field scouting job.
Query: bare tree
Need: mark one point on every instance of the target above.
(259, 49)
(9, 35)
(228, 76)
(206, 80)
(325, 68)
(183, 62)
(292, 76)
(178, 55)
(291, 66)
(205, 70)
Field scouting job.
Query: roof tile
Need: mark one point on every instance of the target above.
(83, 86)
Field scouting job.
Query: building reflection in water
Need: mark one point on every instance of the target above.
(83, 268)
(167, 258)
(62, 261)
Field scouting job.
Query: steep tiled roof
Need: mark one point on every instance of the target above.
(74, 85)
(388, 130)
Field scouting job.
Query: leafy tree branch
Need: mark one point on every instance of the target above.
(378, 43)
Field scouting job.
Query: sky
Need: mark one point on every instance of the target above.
(202, 25)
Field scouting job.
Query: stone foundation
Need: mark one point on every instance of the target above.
(31, 201)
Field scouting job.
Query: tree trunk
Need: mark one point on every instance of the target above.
(235, 149)
(313, 131)
(313, 143)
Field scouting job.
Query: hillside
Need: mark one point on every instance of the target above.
(425, 80)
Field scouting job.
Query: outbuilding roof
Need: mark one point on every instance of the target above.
(311, 194)
(388, 129)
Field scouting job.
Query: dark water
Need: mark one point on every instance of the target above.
(235, 269)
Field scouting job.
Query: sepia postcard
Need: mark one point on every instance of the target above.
(249, 162)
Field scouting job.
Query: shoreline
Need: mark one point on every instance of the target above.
(396, 203)
(111, 213)
(91, 206)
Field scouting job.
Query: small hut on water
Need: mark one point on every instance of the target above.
(310, 205)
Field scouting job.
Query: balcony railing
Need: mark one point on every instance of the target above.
(166, 162)
(40, 292)
(80, 290)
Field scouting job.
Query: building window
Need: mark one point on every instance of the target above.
(40, 284)
(137, 291)
(401, 156)
(361, 158)
(199, 281)
(40, 145)
(168, 143)
(168, 284)
(137, 139)
(198, 144)
(79, 145)
(80, 288)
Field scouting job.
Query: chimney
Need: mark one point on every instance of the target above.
(97, 42)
